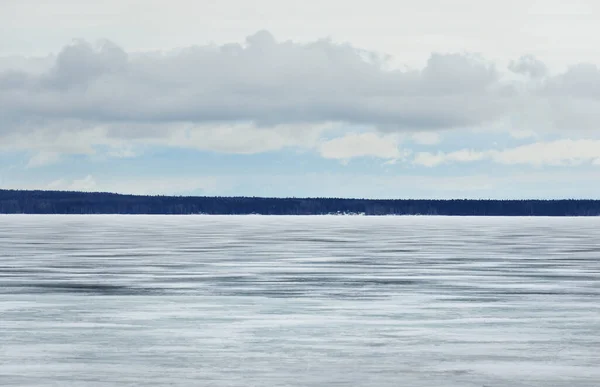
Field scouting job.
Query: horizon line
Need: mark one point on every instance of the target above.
(289, 197)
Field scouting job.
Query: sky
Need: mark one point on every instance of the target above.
(379, 99)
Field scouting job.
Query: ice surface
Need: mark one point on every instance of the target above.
(299, 301)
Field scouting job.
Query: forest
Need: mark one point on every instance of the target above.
(62, 202)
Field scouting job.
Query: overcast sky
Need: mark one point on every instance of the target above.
(394, 99)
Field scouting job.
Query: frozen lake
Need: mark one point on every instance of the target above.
(299, 301)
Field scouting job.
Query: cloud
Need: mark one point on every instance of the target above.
(557, 153)
(522, 134)
(263, 82)
(243, 138)
(266, 94)
(528, 65)
(426, 138)
(361, 145)
(428, 159)
(43, 158)
(562, 152)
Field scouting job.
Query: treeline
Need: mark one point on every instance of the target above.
(60, 202)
